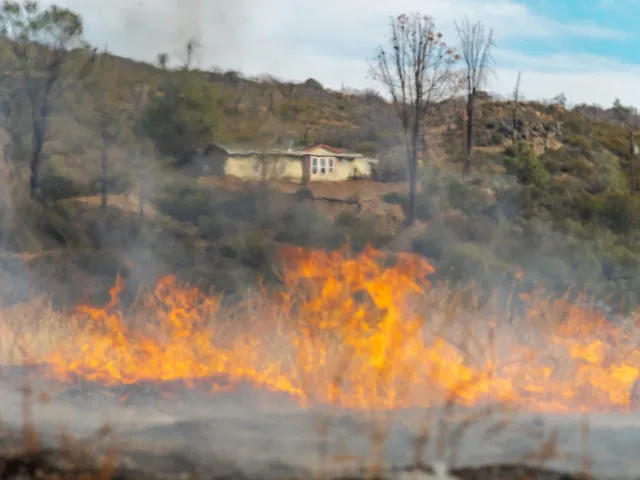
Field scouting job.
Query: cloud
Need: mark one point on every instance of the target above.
(331, 40)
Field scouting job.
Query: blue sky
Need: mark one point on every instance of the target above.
(620, 17)
(587, 49)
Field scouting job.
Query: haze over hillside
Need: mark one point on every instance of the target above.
(586, 50)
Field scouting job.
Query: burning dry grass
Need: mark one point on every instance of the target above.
(358, 331)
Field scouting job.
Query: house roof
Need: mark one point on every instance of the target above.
(325, 146)
(252, 150)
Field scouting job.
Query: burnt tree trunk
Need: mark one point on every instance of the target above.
(469, 145)
(306, 170)
(36, 158)
(413, 173)
(104, 172)
(39, 117)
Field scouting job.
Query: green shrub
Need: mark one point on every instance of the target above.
(434, 242)
(480, 230)
(616, 143)
(304, 193)
(359, 230)
(395, 198)
(620, 212)
(527, 167)
(589, 207)
(469, 262)
(608, 171)
(211, 228)
(54, 187)
(306, 227)
(570, 162)
(185, 201)
(470, 199)
(579, 143)
(117, 183)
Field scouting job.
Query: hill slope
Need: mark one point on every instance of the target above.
(556, 205)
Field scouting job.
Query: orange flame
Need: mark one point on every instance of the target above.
(359, 331)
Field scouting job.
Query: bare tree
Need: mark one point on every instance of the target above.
(416, 69)
(516, 104)
(141, 99)
(475, 50)
(114, 121)
(41, 43)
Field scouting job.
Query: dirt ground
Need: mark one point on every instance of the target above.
(367, 190)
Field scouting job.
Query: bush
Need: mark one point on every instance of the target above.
(434, 242)
(620, 212)
(569, 162)
(469, 262)
(117, 183)
(304, 193)
(395, 198)
(589, 207)
(54, 187)
(211, 228)
(579, 143)
(360, 230)
(306, 227)
(185, 201)
(479, 230)
(467, 198)
(527, 167)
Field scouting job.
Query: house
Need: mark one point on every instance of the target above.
(315, 163)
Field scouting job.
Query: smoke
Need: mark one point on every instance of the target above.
(222, 436)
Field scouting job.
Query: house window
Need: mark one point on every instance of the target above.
(322, 165)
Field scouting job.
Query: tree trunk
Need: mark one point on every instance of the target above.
(469, 143)
(39, 123)
(141, 203)
(104, 171)
(36, 157)
(306, 170)
(413, 175)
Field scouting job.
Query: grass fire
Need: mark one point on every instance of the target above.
(360, 331)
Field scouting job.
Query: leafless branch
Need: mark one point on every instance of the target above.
(475, 49)
(416, 70)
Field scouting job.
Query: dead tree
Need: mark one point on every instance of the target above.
(475, 50)
(41, 42)
(141, 98)
(416, 69)
(516, 104)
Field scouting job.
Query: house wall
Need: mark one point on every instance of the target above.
(277, 167)
(345, 170)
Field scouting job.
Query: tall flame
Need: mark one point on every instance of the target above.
(359, 331)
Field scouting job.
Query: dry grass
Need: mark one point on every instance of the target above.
(350, 332)
(315, 342)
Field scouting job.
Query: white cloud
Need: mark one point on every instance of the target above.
(330, 40)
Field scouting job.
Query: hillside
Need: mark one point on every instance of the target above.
(553, 208)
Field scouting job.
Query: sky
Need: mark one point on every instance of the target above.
(586, 49)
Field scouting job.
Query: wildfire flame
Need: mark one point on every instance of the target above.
(359, 331)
